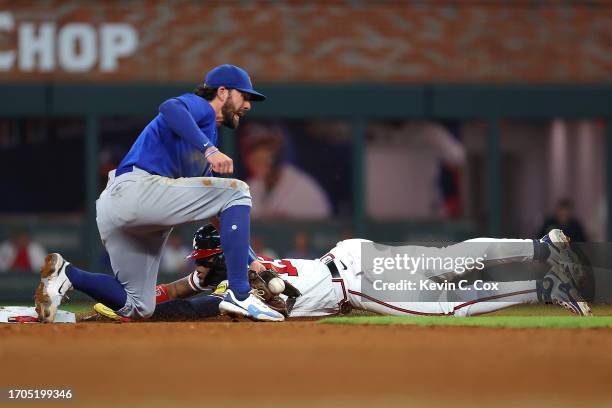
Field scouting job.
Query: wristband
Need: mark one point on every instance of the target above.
(207, 155)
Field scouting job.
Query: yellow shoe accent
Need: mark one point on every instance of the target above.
(221, 288)
(106, 312)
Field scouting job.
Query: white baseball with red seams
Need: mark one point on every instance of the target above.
(322, 294)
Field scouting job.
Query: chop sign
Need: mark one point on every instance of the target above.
(73, 47)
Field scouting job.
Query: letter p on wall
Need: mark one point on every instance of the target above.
(117, 40)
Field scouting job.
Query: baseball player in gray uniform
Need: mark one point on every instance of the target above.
(166, 179)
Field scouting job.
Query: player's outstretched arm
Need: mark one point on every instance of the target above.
(183, 288)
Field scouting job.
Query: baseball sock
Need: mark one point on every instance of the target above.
(176, 309)
(103, 288)
(541, 251)
(205, 305)
(235, 233)
(187, 309)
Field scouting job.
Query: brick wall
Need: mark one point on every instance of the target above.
(335, 41)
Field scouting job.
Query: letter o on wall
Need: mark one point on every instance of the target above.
(77, 47)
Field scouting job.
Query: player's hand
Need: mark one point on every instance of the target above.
(219, 162)
(256, 266)
(202, 272)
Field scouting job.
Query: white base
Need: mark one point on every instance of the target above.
(7, 312)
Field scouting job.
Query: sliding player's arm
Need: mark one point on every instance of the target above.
(183, 288)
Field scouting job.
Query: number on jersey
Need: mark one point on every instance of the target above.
(280, 266)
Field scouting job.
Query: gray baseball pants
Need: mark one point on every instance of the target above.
(135, 216)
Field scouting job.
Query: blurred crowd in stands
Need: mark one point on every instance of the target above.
(21, 254)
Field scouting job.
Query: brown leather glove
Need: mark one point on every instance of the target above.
(259, 284)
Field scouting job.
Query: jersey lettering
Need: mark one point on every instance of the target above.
(280, 266)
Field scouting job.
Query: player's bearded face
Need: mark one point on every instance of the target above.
(232, 111)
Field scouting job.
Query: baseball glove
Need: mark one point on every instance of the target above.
(259, 284)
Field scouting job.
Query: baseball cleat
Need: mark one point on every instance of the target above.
(558, 243)
(558, 287)
(561, 253)
(106, 312)
(252, 308)
(221, 289)
(54, 284)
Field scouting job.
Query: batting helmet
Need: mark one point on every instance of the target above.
(207, 252)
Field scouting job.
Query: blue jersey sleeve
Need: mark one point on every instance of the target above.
(252, 255)
(182, 122)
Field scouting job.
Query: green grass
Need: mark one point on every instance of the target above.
(548, 310)
(77, 307)
(515, 322)
(527, 310)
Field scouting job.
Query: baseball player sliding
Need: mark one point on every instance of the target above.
(333, 283)
(166, 179)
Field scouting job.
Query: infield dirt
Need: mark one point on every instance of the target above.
(303, 363)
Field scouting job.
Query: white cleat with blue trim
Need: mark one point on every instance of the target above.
(252, 308)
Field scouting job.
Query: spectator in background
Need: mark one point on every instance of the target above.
(564, 219)
(413, 170)
(278, 188)
(173, 257)
(301, 247)
(21, 254)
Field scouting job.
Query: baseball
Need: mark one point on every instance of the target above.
(276, 285)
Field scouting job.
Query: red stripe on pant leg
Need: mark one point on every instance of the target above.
(399, 309)
(471, 302)
(440, 314)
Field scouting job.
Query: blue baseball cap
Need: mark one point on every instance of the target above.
(233, 77)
